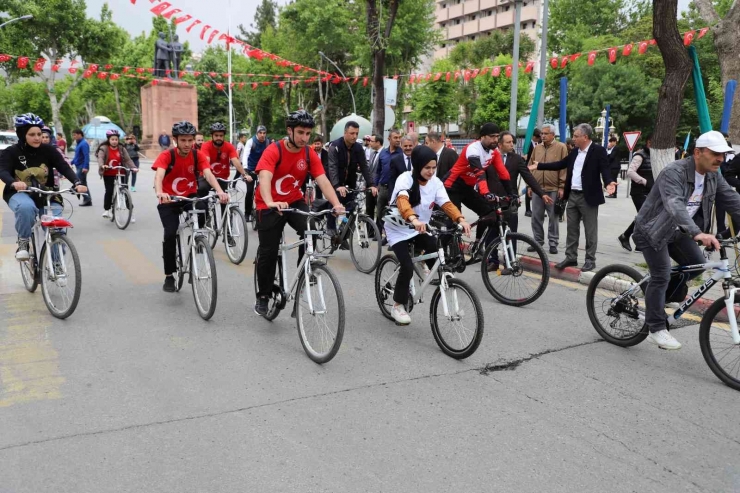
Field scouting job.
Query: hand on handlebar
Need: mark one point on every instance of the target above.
(338, 210)
(19, 185)
(223, 197)
(419, 226)
(709, 241)
(465, 227)
(342, 191)
(164, 198)
(278, 205)
(249, 178)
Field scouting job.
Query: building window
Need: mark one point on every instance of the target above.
(443, 45)
(442, 25)
(457, 21)
(506, 9)
(444, 6)
(472, 17)
(472, 38)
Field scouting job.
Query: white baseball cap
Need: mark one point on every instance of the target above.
(714, 141)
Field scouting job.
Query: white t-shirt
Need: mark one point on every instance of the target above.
(695, 200)
(433, 193)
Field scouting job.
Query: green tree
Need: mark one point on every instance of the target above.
(434, 102)
(494, 95)
(265, 17)
(61, 30)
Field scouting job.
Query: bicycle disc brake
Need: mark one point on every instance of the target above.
(626, 305)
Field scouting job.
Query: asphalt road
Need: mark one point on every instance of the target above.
(135, 392)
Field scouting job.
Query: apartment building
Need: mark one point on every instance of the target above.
(468, 20)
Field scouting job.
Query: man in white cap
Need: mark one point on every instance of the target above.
(675, 216)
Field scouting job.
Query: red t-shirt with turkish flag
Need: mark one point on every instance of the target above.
(289, 175)
(220, 157)
(114, 159)
(181, 180)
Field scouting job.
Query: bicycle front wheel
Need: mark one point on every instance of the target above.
(459, 333)
(123, 209)
(203, 277)
(385, 283)
(28, 268)
(719, 350)
(319, 309)
(616, 305)
(526, 277)
(180, 273)
(235, 232)
(61, 276)
(365, 252)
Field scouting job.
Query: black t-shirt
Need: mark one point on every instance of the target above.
(21, 162)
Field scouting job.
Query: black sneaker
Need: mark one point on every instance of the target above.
(169, 284)
(261, 305)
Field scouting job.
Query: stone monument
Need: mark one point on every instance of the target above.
(163, 104)
(162, 56)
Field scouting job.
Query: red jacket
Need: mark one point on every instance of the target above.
(470, 168)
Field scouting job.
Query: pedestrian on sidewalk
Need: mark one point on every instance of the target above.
(587, 166)
(641, 174)
(615, 167)
(132, 148)
(536, 140)
(81, 161)
(553, 184)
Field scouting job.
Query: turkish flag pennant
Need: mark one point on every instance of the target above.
(108, 67)
(197, 74)
(642, 47)
(485, 70)
(295, 82)
(126, 69)
(86, 74)
(93, 67)
(115, 76)
(183, 83)
(627, 50)
(612, 55)
(591, 57)
(139, 70)
(437, 76)
(411, 79)
(182, 74)
(281, 85)
(155, 82)
(336, 80)
(265, 83)
(39, 65)
(241, 85)
(167, 72)
(5, 58)
(702, 32)
(475, 73)
(213, 74)
(207, 84)
(55, 67)
(457, 74)
(688, 38)
(22, 62)
(564, 62)
(528, 69)
(447, 78)
(496, 72)
(150, 70)
(254, 86)
(364, 82)
(102, 75)
(72, 70)
(466, 75)
(652, 42)
(354, 82)
(574, 57)
(554, 62)
(508, 71)
(226, 75)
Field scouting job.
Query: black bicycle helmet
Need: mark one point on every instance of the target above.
(183, 128)
(300, 118)
(218, 127)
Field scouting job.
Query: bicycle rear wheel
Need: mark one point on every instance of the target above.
(616, 306)
(460, 333)
(365, 252)
(275, 303)
(122, 209)
(203, 277)
(719, 350)
(235, 232)
(61, 282)
(28, 268)
(320, 323)
(525, 280)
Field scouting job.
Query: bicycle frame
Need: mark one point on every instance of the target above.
(42, 235)
(190, 225)
(230, 205)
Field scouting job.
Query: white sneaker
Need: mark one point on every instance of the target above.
(133, 219)
(664, 340)
(106, 214)
(400, 315)
(22, 253)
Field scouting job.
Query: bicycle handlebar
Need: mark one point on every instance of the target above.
(177, 198)
(71, 191)
(304, 213)
(115, 167)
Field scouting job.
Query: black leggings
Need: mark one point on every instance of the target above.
(402, 249)
(110, 185)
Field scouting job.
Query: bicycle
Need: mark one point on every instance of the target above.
(198, 264)
(253, 215)
(456, 339)
(356, 232)
(514, 276)
(233, 232)
(122, 206)
(53, 260)
(617, 291)
(319, 341)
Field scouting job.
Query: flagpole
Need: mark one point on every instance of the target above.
(231, 107)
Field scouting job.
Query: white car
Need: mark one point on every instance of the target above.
(7, 139)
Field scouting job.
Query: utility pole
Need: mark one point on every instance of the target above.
(543, 58)
(515, 67)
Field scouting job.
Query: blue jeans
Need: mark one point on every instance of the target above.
(25, 211)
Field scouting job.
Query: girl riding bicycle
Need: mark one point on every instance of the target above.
(415, 194)
(111, 154)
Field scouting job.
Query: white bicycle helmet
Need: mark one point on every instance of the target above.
(394, 217)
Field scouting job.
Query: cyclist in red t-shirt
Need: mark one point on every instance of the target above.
(282, 169)
(220, 155)
(179, 178)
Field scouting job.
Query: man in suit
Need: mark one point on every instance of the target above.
(615, 167)
(376, 145)
(446, 157)
(587, 165)
(401, 163)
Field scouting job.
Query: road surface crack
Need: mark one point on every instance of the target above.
(514, 364)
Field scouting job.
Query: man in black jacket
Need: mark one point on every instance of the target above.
(401, 163)
(587, 165)
(346, 156)
(446, 157)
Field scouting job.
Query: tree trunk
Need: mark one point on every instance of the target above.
(118, 106)
(379, 42)
(677, 72)
(726, 41)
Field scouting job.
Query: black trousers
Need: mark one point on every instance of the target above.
(474, 201)
(169, 214)
(249, 198)
(403, 249)
(270, 226)
(638, 200)
(371, 202)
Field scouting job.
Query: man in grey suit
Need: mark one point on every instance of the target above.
(446, 157)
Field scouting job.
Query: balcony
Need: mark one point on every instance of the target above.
(442, 14)
(487, 4)
(505, 19)
(455, 31)
(470, 27)
(487, 23)
(470, 6)
(455, 11)
(530, 13)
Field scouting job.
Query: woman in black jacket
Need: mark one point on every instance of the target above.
(30, 163)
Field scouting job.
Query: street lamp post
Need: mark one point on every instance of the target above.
(17, 19)
(515, 67)
(354, 108)
(543, 60)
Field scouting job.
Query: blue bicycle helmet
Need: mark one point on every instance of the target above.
(24, 122)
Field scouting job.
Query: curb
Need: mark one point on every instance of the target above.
(574, 274)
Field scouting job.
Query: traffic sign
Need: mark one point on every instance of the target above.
(631, 139)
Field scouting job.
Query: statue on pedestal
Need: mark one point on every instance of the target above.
(177, 50)
(162, 56)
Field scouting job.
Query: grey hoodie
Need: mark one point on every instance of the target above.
(664, 211)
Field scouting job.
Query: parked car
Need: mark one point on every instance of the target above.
(7, 139)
